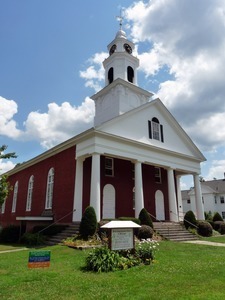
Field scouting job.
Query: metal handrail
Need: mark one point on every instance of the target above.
(56, 221)
(185, 220)
(160, 222)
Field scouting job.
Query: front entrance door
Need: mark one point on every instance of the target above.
(159, 206)
(108, 210)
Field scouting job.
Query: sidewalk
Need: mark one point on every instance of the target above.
(206, 243)
(13, 250)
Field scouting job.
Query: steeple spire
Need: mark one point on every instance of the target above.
(120, 19)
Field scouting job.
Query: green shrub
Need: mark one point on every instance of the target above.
(32, 239)
(217, 225)
(145, 232)
(217, 217)
(145, 218)
(88, 224)
(102, 260)
(204, 228)
(10, 234)
(145, 250)
(208, 216)
(222, 228)
(190, 220)
(51, 230)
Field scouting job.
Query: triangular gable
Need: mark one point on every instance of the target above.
(135, 125)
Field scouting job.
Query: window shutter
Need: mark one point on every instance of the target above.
(161, 131)
(150, 129)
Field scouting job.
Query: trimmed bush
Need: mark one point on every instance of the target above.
(222, 228)
(88, 224)
(145, 232)
(52, 230)
(217, 225)
(10, 234)
(204, 228)
(217, 217)
(190, 220)
(145, 218)
(32, 239)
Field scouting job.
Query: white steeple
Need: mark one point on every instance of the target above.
(121, 63)
(121, 93)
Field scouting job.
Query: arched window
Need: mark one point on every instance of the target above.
(110, 75)
(49, 191)
(130, 74)
(155, 130)
(30, 193)
(15, 193)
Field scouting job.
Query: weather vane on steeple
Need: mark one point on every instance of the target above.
(120, 19)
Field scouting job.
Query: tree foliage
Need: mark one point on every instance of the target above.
(4, 185)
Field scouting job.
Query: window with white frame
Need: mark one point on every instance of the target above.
(155, 130)
(109, 166)
(222, 199)
(158, 178)
(215, 199)
(49, 191)
(15, 194)
(223, 214)
(30, 193)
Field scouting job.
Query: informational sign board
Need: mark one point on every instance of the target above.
(122, 238)
(39, 259)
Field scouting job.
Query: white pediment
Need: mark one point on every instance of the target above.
(133, 125)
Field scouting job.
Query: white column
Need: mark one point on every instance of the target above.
(139, 198)
(198, 198)
(172, 196)
(95, 185)
(78, 190)
(179, 200)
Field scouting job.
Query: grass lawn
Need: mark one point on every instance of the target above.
(181, 271)
(4, 247)
(216, 239)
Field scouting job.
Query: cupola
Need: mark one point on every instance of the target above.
(121, 62)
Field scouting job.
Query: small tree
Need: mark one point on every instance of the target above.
(4, 185)
(217, 217)
(88, 224)
(190, 220)
(145, 218)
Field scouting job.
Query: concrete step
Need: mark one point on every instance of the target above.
(173, 231)
(67, 232)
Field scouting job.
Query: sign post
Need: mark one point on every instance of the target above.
(121, 235)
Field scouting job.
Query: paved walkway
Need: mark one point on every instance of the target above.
(206, 243)
(13, 250)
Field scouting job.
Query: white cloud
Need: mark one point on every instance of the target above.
(8, 126)
(187, 37)
(95, 74)
(6, 165)
(59, 123)
(216, 170)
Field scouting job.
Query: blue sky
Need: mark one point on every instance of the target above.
(50, 64)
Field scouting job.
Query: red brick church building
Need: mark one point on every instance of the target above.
(133, 157)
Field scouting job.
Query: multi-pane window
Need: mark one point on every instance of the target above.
(158, 178)
(223, 214)
(155, 130)
(188, 201)
(49, 191)
(30, 193)
(15, 193)
(109, 166)
(215, 199)
(221, 199)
